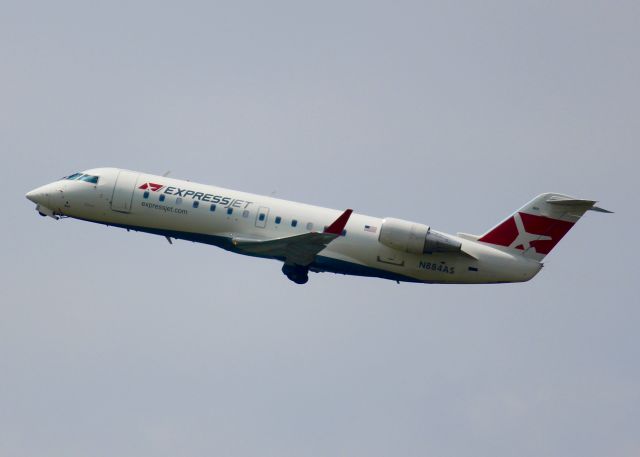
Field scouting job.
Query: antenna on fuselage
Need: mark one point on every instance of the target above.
(166, 173)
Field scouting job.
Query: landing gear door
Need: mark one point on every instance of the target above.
(262, 216)
(122, 197)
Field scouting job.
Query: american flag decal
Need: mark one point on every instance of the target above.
(370, 228)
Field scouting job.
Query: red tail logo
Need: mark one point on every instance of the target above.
(151, 186)
(524, 231)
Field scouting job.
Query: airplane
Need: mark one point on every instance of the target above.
(309, 238)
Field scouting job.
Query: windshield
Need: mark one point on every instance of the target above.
(82, 177)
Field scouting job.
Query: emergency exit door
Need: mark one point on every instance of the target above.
(262, 216)
(122, 197)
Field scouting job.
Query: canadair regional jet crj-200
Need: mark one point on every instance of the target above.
(310, 238)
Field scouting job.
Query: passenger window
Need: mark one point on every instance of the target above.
(196, 203)
(229, 210)
(161, 198)
(261, 217)
(278, 219)
(310, 226)
(212, 208)
(294, 223)
(178, 201)
(245, 213)
(145, 195)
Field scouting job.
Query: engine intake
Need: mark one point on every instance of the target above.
(414, 238)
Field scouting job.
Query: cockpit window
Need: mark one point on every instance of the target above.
(89, 178)
(83, 177)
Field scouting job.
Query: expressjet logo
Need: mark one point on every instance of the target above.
(525, 231)
(152, 186)
(226, 202)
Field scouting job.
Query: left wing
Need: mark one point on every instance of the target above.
(298, 249)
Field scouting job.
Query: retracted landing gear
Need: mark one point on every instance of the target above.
(296, 273)
(44, 212)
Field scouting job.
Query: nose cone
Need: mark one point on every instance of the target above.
(39, 196)
(35, 196)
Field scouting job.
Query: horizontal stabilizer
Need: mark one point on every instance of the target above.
(561, 200)
(600, 210)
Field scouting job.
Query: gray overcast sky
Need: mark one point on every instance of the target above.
(452, 114)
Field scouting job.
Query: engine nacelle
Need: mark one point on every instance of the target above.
(414, 238)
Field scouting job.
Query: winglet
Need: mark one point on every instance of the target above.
(339, 224)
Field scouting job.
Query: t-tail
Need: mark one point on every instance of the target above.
(536, 228)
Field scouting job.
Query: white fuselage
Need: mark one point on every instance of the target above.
(213, 215)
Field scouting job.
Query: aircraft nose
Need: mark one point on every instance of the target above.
(36, 195)
(40, 195)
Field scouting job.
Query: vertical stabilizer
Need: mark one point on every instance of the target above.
(536, 228)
